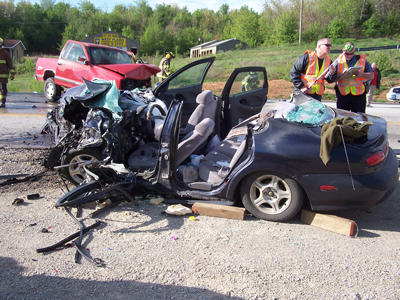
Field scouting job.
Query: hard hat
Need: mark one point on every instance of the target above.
(1, 40)
(171, 54)
(348, 47)
(253, 74)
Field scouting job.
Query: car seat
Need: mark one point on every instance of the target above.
(193, 140)
(206, 108)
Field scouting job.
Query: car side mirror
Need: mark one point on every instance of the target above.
(82, 59)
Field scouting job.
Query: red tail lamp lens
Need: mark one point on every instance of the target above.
(376, 159)
(328, 188)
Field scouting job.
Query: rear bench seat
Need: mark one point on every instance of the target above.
(226, 154)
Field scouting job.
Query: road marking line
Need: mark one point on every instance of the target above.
(23, 115)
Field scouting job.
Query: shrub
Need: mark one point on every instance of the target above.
(384, 63)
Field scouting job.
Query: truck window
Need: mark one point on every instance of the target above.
(67, 48)
(106, 56)
(75, 52)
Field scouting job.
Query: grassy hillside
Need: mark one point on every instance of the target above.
(277, 60)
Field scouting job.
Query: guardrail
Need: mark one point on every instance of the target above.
(370, 49)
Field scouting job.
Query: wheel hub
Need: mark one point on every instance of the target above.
(270, 193)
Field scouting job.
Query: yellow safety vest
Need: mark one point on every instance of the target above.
(355, 86)
(313, 71)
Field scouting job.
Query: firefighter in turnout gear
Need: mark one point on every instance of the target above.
(351, 92)
(310, 66)
(250, 82)
(6, 67)
(165, 65)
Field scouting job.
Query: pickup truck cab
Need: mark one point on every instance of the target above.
(91, 61)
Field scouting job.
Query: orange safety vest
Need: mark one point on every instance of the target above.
(313, 71)
(355, 86)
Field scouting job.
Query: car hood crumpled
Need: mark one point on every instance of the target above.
(133, 71)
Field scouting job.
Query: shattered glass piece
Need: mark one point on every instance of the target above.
(312, 113)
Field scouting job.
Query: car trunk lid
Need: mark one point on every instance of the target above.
(376, 133)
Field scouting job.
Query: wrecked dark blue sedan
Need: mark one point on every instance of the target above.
(302, 153)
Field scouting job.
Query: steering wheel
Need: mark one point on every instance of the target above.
(150, 119)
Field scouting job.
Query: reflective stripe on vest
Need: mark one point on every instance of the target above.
(313, 72)
(355, 86)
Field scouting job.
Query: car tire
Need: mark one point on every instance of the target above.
(52, 91)
(76, 173)
(272, 197)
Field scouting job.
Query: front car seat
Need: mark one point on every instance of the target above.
(193, 140)
(206, 108)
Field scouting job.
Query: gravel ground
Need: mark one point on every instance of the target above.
(212, 258)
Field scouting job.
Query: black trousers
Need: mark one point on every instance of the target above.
(3, 92)
(351, 102)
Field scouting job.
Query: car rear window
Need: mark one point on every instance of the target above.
(310, 113)
(396, 90)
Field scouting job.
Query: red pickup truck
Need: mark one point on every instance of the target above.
(91, 61)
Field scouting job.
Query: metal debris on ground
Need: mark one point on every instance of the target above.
(33, 196)
(17, 201)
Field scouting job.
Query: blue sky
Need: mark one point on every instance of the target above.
(192, 5)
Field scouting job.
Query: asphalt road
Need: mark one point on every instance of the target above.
(25, 114)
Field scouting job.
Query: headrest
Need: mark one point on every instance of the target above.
(205, 127)
(205, 97)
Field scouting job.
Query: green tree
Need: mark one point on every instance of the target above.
(243, 25)
(338, 29)
(150, 42)
(288, 28)
(128, 32)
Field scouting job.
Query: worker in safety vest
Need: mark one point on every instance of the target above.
(311, 66)
(6, 71)
(165, 64)
(351, 92)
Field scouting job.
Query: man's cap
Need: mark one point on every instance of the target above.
(348, 47)
(172, 54)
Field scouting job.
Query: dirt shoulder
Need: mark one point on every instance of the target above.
(281, 89)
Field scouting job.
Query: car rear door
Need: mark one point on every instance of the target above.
(184, 85)
(243, 96)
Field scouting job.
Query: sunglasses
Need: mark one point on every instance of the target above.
(328, 45)
(348, 53)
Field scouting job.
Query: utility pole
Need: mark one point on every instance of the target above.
(301, 20)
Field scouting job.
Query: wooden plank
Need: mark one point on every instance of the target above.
(220, 211)
(329, 222)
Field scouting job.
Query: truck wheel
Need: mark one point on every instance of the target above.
(51, 90)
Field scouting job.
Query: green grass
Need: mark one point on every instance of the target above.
(25, 83)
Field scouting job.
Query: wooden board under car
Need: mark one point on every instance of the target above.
(329, 222)
(220, 211)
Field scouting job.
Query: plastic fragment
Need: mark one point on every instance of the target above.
(178, 209)
(174, 238)
(192, 218)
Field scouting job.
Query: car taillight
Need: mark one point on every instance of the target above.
(376, 159)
